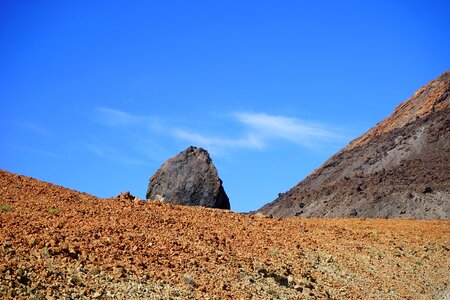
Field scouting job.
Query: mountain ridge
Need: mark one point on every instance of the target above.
(384, 172)
(432, 97)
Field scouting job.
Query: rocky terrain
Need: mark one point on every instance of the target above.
(398, 169)
(57, 243)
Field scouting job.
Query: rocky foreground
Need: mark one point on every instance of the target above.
(56, 243)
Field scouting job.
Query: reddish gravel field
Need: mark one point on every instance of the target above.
(57, 243)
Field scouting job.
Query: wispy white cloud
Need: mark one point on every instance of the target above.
(111, 153)
(215, 144)
(36, 128)
(260, 129)
(267, 127)
(131, 140)
(44, 153)
(254, 131)
(118, 118)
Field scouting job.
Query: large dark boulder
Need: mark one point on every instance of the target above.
(189, 178)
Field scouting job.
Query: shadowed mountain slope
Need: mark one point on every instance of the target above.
(398, 169)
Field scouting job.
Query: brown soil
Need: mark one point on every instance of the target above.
(57, 243)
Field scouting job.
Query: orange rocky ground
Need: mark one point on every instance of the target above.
(56, 243)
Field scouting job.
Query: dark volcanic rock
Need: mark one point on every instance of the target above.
(399, 168)
(189, 178)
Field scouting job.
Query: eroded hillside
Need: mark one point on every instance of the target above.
(398, 169)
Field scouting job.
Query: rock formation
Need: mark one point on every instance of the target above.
(189, 178)
(399, 168)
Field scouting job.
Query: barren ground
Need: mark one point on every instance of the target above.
(57, 243)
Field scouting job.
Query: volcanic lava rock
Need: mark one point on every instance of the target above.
(189, 178)
(398, 169)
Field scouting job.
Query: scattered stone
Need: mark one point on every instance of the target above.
(76, 281)
(427, 190)
(109, 294)
(189, 178)
(281, 280)
(45, 253)
(353, 212)
(290, 279)
(97, 294)
(189, 280)
(127, 196)
(263, 272)
(298, 287)
(306, 284)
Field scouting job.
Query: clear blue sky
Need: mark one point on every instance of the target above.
(96, 95)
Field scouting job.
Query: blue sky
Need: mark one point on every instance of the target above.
(96, 95)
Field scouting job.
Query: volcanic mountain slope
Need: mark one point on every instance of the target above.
(57, 243)
(398, 169)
